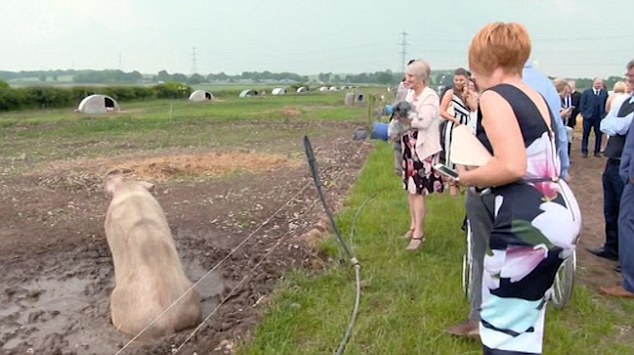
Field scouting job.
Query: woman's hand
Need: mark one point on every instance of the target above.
(461, 172)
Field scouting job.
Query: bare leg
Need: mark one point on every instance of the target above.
(417, 210)
(412, 214)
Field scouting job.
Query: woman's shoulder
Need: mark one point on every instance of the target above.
(429, 92)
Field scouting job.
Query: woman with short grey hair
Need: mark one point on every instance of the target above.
(420, 147)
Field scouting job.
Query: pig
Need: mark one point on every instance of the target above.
(148, 273)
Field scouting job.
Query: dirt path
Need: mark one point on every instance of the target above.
(586, 184)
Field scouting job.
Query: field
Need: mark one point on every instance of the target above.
(231, 176)
(233, 180)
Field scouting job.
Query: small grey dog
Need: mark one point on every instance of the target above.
(396, 129)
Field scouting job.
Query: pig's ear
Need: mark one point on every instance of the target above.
(114, 177)
(147, 185)
(112, 181)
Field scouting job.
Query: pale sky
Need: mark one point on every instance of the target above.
(571, 38)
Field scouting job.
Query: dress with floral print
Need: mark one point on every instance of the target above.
(536, 225)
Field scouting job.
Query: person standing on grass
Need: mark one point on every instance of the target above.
(480, 204)
(454, 110)
(620, 122)
(615, 125)
(592, 108)
(401, 94)
(536, 216)
(420, 148)
(572, 101)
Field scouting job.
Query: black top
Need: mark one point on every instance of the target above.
(614, 148)
(528, 116)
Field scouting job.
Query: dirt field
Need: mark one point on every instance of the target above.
(230, 215)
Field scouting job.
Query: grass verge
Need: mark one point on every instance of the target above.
(409, 299)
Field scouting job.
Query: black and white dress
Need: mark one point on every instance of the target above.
(461, 113)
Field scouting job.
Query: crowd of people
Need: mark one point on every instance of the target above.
(524, 218)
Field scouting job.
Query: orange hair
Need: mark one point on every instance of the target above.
(500, 45)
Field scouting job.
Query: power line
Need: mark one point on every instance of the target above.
(403, 50)
(194, 70)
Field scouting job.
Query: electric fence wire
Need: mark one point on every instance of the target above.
(133, 339)
(312, 162)
(353, 261)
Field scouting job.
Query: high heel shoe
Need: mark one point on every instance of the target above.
(415, 243)
(408, 234)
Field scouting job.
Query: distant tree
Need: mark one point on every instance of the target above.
(163, 75)
(385, 77)
(181, 78)
(324, 77)
(196, 79)
(4, 84)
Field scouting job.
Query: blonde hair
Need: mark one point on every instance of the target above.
(560, 84)
(620, 86)
(500, 45)
(420, 70)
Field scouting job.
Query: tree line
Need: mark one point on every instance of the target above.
(40, 97)
(386, 77)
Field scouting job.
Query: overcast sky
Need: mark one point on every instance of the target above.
(571, 38)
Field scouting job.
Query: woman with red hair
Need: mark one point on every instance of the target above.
(536, 218)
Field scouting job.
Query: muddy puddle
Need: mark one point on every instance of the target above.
(65, 309)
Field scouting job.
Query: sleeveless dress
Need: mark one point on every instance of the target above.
(461, 113)
(536, 225)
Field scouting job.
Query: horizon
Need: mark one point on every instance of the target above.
(343, 37)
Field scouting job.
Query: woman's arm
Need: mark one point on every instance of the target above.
(444, 107)
(508, 163)
(608, 103)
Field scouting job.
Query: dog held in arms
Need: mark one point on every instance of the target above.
(149, 276)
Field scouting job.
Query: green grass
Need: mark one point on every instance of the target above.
(409, 299)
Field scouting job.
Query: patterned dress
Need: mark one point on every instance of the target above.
(536, 225)
(418, 174)
(419, 177)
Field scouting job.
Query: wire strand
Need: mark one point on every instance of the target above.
(210, 271)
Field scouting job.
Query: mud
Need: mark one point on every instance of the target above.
(236, 218)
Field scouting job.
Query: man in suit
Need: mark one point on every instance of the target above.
(592, 108)
(616, 125)
(626, 210)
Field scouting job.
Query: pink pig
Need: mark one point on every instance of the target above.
(149, 276)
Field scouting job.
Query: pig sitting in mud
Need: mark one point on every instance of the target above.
(149, 276)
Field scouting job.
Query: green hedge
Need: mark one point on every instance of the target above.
(39, 97)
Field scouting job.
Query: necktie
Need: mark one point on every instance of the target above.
(596, 92)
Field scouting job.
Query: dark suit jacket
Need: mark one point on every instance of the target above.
(591, 106)
(575, 99)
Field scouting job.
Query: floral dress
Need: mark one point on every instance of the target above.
(536, 225)
(419, 177)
